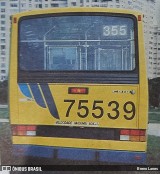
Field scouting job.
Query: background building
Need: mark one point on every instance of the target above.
(155, 64)
(147, 7)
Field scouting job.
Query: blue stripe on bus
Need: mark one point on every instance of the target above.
(49, 100)
(80, 154)
(76, 154)
(37, 95)
(25, 90)
(33, 151)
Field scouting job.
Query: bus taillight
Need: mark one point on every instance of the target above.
(133, 135)
(23, 130)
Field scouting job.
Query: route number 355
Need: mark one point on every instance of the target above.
(115, 30)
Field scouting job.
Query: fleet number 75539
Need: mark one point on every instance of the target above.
(97, 110)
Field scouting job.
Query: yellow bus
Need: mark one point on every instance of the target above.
(78, 85)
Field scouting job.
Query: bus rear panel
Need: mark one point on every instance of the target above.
(78, 86)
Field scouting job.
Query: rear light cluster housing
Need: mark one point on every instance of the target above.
(23, 130)
(133, 135)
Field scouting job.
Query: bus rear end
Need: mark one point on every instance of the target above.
(78, 87)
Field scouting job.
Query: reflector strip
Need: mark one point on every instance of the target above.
(137, 157)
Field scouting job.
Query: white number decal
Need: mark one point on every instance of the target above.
(115, 30)
(123, 30)
(106, 31)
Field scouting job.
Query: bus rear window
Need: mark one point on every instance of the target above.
(77, 43)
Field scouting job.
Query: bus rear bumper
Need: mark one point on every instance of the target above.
(129, 157)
